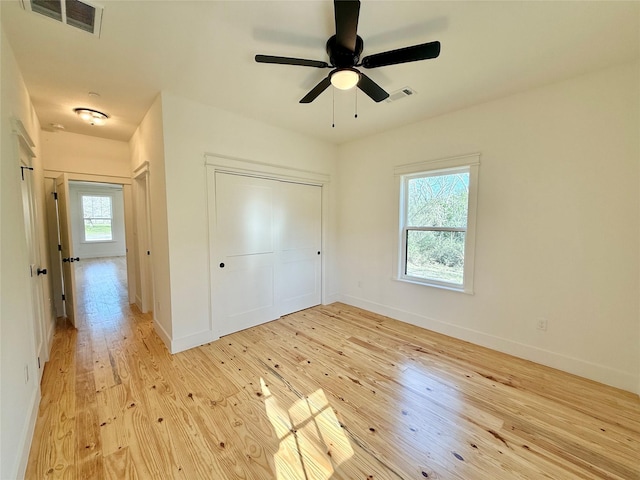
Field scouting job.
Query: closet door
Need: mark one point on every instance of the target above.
(244, 276)
(266, 256)
(299, 267)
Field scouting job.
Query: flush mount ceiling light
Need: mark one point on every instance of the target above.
(92, 117)
(345, 79)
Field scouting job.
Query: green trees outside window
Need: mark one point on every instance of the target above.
(97, 214)
(435, 226)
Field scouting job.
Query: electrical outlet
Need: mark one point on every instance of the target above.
(542, 324)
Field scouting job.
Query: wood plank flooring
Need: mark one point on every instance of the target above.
(333, 392)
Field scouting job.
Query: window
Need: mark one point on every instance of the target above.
(97, 215)
(437, 221)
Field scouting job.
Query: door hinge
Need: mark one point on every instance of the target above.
(63, 297)
(59, 247)
(22, 169)
(55, 195)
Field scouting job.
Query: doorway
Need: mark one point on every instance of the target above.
(89, 234)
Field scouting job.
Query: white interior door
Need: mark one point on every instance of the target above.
(267, 241)
(66, 242)
(36, 269)
(55, 265)
(244, 279)
(299, 273)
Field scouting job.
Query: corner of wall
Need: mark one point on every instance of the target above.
(147, 145)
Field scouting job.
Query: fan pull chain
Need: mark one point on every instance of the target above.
(356, 90)
(333, 104)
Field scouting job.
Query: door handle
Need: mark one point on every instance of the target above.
(77, 259)
(42, 271)
(67, 259)
(222, 265)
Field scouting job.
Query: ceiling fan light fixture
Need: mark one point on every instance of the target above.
(345, 79)
(92, 117)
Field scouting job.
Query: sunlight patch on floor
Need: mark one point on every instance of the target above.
(312, 442)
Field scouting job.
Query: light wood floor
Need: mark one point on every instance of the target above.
(328, 393)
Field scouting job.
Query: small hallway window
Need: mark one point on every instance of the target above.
(437, 223)
(97, 214)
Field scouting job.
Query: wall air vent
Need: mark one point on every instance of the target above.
(402, 93)
(83, 15)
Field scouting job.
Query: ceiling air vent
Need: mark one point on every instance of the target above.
(402, 93)
(82, 15)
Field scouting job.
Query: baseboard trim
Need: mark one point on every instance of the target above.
(162, 333)
(332, 298)
(28, 434)
(192, 341)
(51, 330)
(139, 302)
(592, 371)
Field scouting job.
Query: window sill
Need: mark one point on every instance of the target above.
(93, 242)
(426, 283)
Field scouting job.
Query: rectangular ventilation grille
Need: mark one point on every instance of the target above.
(82, 15)
(402, 93)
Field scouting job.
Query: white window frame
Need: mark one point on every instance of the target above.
(404, 173)
(82, 218)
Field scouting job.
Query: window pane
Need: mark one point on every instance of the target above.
(438, 201)
(97, 230)
(435, 255)
(96, 211)
(96, 207)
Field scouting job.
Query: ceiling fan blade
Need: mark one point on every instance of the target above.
(371, 88)
(291, 61)
(346, 13)
(317, 90)
(402, 55)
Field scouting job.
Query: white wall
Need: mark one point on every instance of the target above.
(190, 131)
(557, 225)
(75, 153)
(18, 398)
(147, 145)
(114, 248)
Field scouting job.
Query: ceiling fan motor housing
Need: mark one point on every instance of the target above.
(342, 57)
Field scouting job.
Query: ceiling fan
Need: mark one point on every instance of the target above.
(344, 49)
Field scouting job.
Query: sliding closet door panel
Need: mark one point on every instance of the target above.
(299, 272)
(244, 270)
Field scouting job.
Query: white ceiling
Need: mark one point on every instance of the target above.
(204, 51)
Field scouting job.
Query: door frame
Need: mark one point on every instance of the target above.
(128, 216)
(142, 220)
(217, 163)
